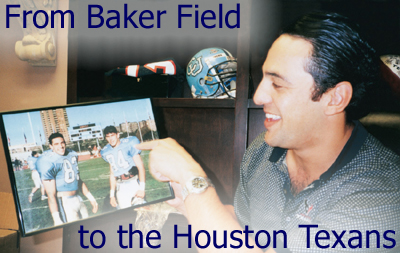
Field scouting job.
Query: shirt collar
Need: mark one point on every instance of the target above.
(349, 151)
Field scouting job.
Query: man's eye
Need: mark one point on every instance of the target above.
(276, 86)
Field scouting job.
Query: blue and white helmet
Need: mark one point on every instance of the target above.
(211, 73)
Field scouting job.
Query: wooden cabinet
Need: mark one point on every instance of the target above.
(215, 132)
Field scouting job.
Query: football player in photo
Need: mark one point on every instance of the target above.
(60, 175)
(35, 176)
(127, 173)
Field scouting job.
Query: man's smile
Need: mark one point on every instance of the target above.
(272, 117)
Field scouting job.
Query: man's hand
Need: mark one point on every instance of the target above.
(56, 218)
(95, 206)
(168, 161)
(91, 199)
(113, 201)
(140, 194)
(177, 202)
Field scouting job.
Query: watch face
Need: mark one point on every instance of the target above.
(199, 182)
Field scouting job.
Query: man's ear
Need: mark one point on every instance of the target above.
(338, 98)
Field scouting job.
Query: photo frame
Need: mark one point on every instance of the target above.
(77, 175)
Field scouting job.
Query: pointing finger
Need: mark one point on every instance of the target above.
(147, 145)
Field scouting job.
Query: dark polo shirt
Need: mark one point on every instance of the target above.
(360, 191)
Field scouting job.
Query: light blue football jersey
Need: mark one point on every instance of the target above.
(120, 157)
(64, 169)
(32, 162)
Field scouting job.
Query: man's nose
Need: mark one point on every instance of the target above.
(263, 93)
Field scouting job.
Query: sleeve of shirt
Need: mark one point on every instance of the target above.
(248, 165)
(103, 153)
(132, 142)
(46, 169)
(241, 200)
(74, 153)
(31, 163)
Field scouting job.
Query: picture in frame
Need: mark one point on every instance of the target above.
(75, 162)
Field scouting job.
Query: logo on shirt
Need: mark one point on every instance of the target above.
(305, 216)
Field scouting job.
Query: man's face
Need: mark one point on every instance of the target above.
(113, 139)
(58, 145)
(292, 118)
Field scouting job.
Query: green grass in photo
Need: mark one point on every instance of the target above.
(95, 173)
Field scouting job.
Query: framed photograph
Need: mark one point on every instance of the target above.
(76, 162)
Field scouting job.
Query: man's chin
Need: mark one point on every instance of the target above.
(272, 142)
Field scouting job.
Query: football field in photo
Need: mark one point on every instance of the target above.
(95, 173)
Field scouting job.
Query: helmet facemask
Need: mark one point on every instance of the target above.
(224, 75)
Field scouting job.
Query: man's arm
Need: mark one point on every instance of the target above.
(89, 196)
(206, 212)
(142, 175)
(231, 210)
(169, 161)
(113, 183)
(50, 187)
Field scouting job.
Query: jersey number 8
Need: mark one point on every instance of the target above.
(69, 175)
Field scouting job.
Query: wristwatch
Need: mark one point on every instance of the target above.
(196, 185)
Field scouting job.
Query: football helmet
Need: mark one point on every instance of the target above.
(211, 73)
(392, 62)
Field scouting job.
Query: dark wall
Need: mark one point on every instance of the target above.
(379, 20)
(103, 49)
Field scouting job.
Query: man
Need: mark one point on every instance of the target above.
(60, 175)
(17, 164)
(315, 164)
(127, 173)
(90, 151)
(95, 151)
(35, 177)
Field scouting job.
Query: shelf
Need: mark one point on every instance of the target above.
(178, 102)
(193, 103)
(188, 102)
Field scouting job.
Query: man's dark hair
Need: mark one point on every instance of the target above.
(110, 129)
(53, 136)
(340, 53)
(34, 153)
